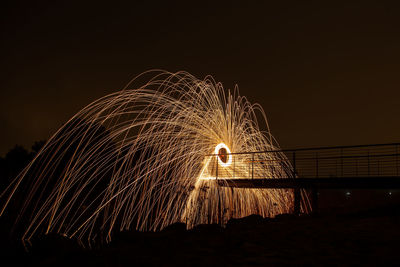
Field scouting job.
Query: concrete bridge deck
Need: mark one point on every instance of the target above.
(392, 182)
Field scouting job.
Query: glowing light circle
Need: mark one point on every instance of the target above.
(223, 154)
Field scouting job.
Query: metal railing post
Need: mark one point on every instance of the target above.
(249, 173)
(294, 164)
(379, 167)
(368, 163)
(252, 166)
(336, 168)
(356, 167)
(397, 160)
(341, 162)
(233, 158)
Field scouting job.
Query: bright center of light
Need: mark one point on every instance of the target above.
(223, 154)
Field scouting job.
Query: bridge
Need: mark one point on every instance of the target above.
(374, 166)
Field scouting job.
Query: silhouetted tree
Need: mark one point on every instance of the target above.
(13, 163)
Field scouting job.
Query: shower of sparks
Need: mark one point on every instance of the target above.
(136, 159)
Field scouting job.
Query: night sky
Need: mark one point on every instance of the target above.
(325, 73)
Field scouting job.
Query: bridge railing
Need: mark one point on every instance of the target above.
(341, 161)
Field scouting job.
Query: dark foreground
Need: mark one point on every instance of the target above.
(357, 239)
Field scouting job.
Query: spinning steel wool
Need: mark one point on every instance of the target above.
(136, 159)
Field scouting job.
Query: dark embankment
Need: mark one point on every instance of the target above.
(364, 238)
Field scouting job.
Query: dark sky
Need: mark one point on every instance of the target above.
(325, 73)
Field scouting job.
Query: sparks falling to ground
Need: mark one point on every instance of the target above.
(136, 159)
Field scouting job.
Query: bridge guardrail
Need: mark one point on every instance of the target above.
(341, 161)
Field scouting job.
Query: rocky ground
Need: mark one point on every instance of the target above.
(369, 238)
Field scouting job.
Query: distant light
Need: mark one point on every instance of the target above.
(390, 193)
(348, 193)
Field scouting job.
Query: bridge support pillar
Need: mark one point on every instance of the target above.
(297, 200)
(314, 200)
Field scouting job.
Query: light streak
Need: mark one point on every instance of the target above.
(135, 159)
